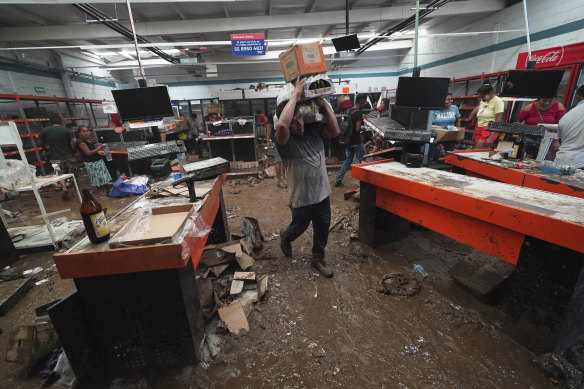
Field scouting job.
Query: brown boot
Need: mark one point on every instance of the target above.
(322, 268)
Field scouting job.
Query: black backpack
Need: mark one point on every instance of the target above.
(347, 127)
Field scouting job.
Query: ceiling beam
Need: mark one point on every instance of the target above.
(458, 8)
(25, 14)
(179, 12)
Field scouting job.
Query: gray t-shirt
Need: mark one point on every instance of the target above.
(304, 160)
(571, 134)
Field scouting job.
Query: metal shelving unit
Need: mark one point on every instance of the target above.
(25, 107)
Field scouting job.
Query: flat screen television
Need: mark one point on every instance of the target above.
(143, 103)
(347, 42)
(421, 92)
(532, 83)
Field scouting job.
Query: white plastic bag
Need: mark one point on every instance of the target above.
(15, 173)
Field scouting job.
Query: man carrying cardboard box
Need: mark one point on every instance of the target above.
(301, 147)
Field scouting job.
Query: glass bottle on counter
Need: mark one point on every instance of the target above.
(94, 218)
(519, 148)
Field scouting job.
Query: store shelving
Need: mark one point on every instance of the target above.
(20, 108)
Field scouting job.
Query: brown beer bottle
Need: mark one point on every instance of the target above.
(94, 218)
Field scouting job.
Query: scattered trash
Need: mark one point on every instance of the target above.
(58, 221)
(36, 270)
(270, 171)
(337, 222)
(253, 235)
(354, 236)
(41, 282)
(411, 349)
(398, 284)
(234, 318)
(317, 352)
(334, 307)
(10, 214)
(419, 269)
(218, 270)
(262, 286)
(247, 299)
(244, 261)
(559, 371)
(244, 245)
(239, 275)
(236, 287)
(252, 181)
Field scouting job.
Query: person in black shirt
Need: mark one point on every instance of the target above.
(96, 169)
(355, 147)
(58, 140)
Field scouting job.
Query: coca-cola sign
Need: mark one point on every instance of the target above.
(550, 58)
(553, 56)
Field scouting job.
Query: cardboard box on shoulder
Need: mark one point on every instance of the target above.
(301, 60)
(214, 108)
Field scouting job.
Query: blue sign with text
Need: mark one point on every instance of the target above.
(248, 44)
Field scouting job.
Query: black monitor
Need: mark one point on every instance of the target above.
(532, 83)
(421, 92)
(143, 103)
(347, 42)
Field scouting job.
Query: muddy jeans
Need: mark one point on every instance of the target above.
(320, 215)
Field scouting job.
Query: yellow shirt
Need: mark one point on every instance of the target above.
(488, 110)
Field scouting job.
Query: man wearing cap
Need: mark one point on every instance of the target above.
(301, 147)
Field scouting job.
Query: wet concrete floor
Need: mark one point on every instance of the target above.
(441, 338)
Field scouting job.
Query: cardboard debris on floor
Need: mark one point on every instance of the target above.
(236, 286)
(234, 318)
(240, 275)
(244, 261)
(29, 343)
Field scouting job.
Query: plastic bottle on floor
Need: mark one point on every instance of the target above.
(419, 269)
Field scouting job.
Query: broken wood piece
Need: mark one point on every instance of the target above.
(236, 286)
(245, 247)
(212, 258)
(235, 249)
(262, 285)
(350, 193)
(337, 223)
(244, 275)
(244, 261)
(217, 270)
(234, 318)
(247, 300)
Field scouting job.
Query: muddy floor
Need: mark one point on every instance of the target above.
(441, 338)
(313, 332)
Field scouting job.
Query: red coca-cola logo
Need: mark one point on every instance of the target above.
(550, 58)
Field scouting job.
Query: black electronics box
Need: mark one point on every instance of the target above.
(160, 167)
(210, 168)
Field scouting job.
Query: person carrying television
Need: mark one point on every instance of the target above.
(489, 109)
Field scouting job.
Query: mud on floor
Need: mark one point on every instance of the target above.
(341, 332)
(310, 331)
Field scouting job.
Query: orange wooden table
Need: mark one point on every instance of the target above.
(88, 260)
(540, 233)
(136, 309)
(490, 216)
(475, 164)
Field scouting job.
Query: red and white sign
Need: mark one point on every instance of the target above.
(109, 107)
(553, 57)
(119, 130)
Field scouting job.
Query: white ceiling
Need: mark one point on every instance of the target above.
(201, 30)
